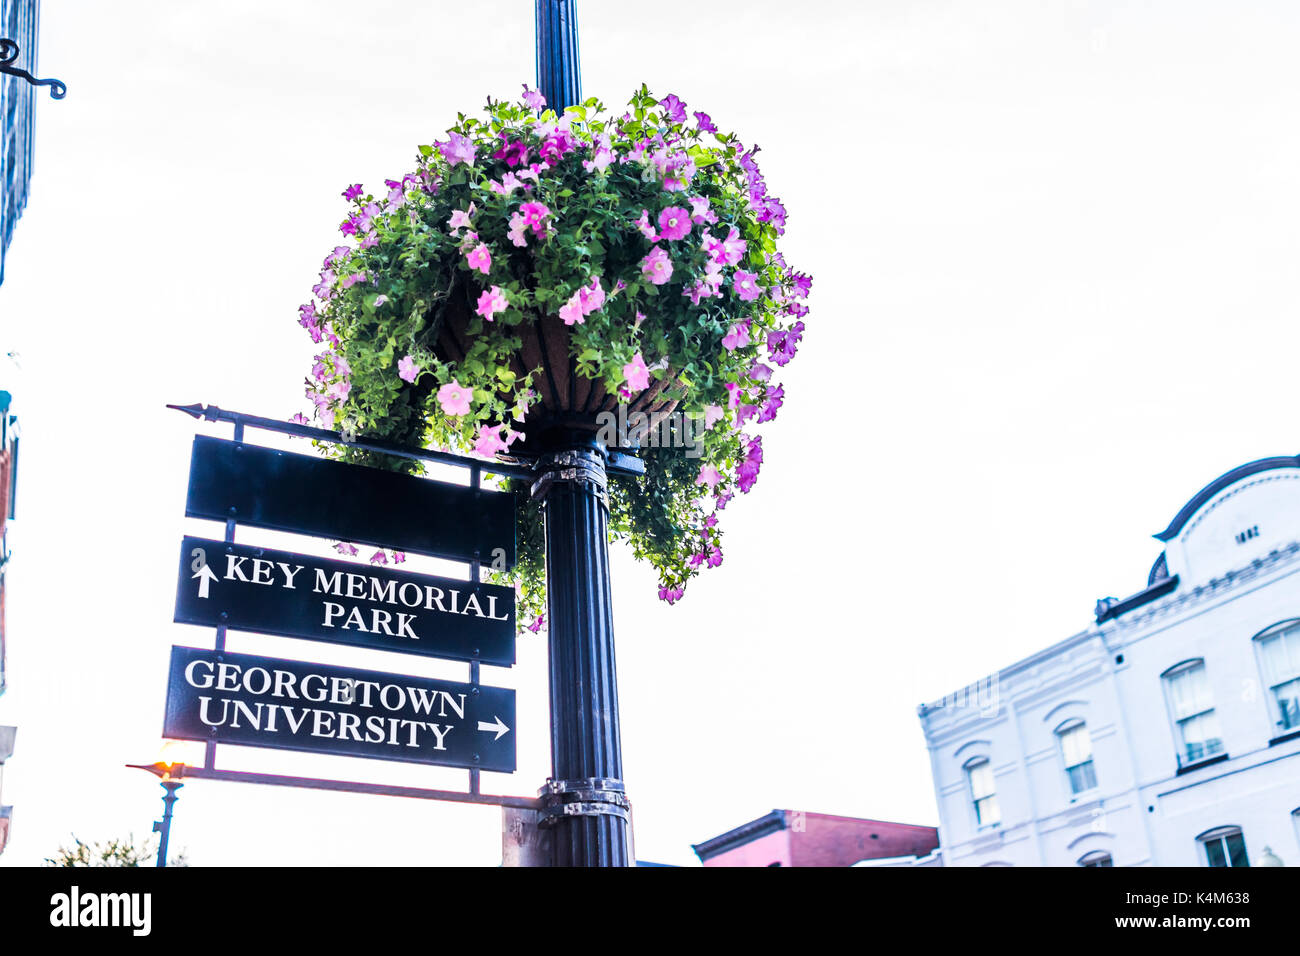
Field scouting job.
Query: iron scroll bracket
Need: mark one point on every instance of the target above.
(588, 797)
(9, 53)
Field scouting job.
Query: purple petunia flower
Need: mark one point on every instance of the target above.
(457, 149)
(774, 399)
(705, 123)
(747, 470)
(533, 99)
(781, 346)
(513, 153)
(674, 109)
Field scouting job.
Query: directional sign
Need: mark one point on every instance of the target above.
(294, 595)
(308, 495)
(291, 705)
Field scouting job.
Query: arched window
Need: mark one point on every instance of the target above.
(1076, 751)
(1196, 725)
(1096, 858)
(1225, 846)
(1279, 659)
(983, 792)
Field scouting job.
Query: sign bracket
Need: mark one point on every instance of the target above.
(522, 466)
(357, 786)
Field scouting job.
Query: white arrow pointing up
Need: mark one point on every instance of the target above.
(498, 725)
(206, 576)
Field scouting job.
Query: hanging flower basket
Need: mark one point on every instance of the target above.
(541, 272)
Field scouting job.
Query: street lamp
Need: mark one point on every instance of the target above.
(169, 775)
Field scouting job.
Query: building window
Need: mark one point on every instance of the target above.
(1096, 858)
(983, 793)
(1076, 749)
(1224, 847)
(1196, 724)
(1279, 655)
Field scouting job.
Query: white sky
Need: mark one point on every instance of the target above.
(1055, 252)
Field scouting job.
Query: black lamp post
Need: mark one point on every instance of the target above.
(169, 775)
(585, 798)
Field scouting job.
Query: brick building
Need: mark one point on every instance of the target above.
(799, 838)
(8, 472)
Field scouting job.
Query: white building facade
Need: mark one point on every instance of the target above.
(1167, 734)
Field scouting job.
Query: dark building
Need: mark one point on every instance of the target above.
(18, 20)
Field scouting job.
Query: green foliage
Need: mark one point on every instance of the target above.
(110, 853)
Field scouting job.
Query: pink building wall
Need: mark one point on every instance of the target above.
(799, 838)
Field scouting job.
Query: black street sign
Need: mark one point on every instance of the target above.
(304, 494)
(295, 595)
(290, 705)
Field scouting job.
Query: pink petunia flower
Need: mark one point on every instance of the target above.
(712, 415)
(460, 219)
(518, 230)
(407, 370)
(701, 214)
(571, 311)
(674, 223)
(708, 476)
(733, 247)
(535, 214)
(746, 285)
(489, 440)
(379, 557)
(737, 336)
(454, 398)
(636, 374)
(491, 302)
(657, 266)
(479, 258)
(643, 224)
(592, 296)
(343, 547)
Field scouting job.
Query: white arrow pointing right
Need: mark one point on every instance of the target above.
(498, 725)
